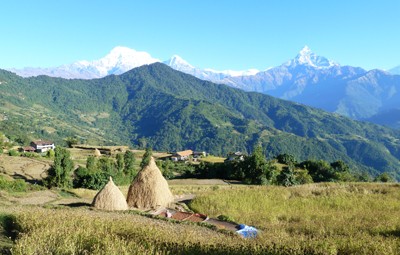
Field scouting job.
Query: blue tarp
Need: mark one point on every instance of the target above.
(247, 231)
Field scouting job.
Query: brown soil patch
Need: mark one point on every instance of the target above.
(21, 167)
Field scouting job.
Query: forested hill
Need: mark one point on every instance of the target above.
(157, 106)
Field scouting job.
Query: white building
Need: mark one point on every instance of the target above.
(43, 146)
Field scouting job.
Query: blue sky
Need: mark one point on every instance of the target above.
(218, 34)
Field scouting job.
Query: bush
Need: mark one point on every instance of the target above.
(286, 159)
(89, 180)
(13, 153)
(384, 177)
(29, 155)
(287, 176)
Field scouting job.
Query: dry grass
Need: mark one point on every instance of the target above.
(350, 218)
(328, 218)
(68, 231)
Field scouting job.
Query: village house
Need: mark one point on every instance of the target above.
(42, 146)
(27, 149)
(182, 155)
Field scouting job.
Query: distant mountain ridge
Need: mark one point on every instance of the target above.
(120, 60)
(308, 79)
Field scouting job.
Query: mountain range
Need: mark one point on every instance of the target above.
(157, 106)
(308, 79)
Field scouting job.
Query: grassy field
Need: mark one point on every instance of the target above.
(349, 218)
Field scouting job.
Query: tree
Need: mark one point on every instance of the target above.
(120, 163)
(256, 169)
(59, 175)
(340, 166)
(286, 159)
(320, 170)
(89, 180)
(167, 169)
(91, 163)
(303, 177)
(71, 141)
(129, 160)
(384, 177)
(146, 157)
(107, 165)
(50, 153)
(287, 177)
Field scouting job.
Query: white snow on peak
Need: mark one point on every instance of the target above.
(235, 73)
(121, 59)
(309, 58)
(176, 61)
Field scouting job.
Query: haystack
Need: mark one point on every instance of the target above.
(110, 198)
(149, 190)
(97, 153)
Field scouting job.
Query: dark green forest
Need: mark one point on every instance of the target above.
(158, 107)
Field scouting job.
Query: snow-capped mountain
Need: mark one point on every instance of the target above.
(308, 58)
(319, 82)
(122, 59)
(182, 65)
(118, 61)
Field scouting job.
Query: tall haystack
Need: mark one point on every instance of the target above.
(149, 190)
(110, 198)
(97, 153)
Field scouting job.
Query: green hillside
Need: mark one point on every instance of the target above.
(168, 110)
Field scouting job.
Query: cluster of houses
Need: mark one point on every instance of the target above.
(39, 146)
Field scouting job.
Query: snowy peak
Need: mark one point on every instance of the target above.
(308, 58)
(233, 73)
(117, 61)
(177, 62)
(121, 59)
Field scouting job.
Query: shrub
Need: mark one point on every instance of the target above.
(384, 177)
(89, 180)
(13, 153)
(286, 159)
(29, 155)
